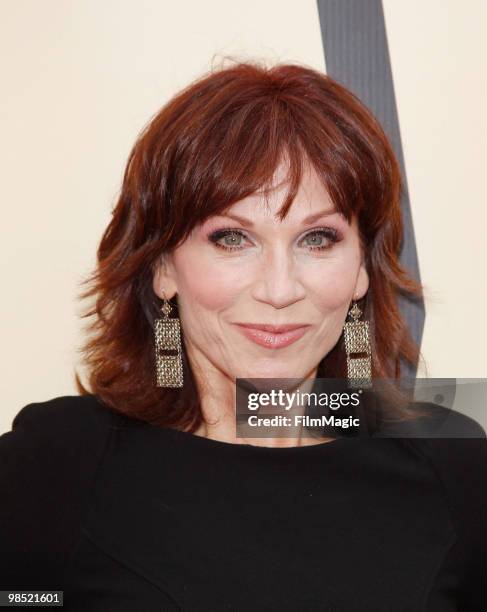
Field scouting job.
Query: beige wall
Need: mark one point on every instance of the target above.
(438, 50)
(80, 78)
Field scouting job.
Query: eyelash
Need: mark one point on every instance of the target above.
(330, 233)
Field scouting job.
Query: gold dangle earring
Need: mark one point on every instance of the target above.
(357, 347)
(169, 365)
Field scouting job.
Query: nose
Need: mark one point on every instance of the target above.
(278, 283)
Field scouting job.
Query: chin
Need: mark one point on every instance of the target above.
(274, 371)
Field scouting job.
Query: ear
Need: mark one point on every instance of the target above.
(362, 284)
(164, 278)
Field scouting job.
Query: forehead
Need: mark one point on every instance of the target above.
(312, 197)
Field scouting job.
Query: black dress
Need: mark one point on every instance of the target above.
(125, 516)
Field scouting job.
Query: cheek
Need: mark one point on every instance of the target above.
(206, 285)
(335, 290)
(332, 283)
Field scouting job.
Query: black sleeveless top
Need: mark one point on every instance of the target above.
(125, 516)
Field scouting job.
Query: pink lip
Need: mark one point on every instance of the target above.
(275, 329)
(272, 336)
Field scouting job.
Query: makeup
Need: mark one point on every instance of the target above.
(269, 339)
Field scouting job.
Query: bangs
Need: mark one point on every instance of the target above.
(222, 139)
(234, 147)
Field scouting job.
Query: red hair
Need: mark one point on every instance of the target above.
(216, 142)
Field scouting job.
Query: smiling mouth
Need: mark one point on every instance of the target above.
(275, 329)
(267, 336)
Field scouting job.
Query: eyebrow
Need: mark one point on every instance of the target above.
(306, 221)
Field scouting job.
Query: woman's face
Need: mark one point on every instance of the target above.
(256, 269)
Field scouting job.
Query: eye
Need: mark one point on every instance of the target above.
(322, 238)
(232, 239)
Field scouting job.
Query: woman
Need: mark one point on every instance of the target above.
(259, 209)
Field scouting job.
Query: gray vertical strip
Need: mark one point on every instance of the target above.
(357, 55)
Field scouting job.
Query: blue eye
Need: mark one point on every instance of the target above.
(323, 238)
(232, 239)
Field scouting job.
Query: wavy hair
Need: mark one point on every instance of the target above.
(215, 142)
